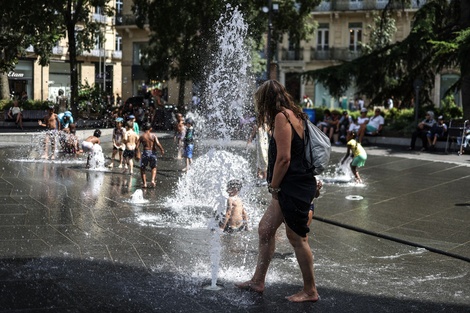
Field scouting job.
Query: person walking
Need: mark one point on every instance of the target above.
(291, 186)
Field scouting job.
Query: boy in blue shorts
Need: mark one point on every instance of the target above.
(148, 156)
(188, 143)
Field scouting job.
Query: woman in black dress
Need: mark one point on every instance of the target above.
(291, 185)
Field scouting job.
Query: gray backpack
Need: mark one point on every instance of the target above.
(317, 148)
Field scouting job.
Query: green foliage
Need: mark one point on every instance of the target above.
(183, 34)
(449, 109)
(26, 105)
(91, 98)
(439, 39)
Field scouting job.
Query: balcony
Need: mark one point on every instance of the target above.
(347, 5)
(94, 53)
(126, 19)
(117, 54)
(100, 18)
(58, 50)
(292, 55)
(340, 54)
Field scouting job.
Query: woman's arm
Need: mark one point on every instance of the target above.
(283, 136)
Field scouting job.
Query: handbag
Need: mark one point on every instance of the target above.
(317, 149)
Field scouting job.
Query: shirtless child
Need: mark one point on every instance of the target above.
(87, 145)
(149, 144)
(50, 121)
(236, 218)
(180, 131)
(130, 140)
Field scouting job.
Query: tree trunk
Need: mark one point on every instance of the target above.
(181, 92)
(4, 87)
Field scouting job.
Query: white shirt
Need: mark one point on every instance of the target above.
(376, 121)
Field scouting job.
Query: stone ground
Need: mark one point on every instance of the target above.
(70, 241)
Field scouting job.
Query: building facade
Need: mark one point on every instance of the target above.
(342, 25)
(102, 65)
(135, 81)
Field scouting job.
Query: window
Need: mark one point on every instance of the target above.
(137, 52)
(323, 37)
(355, 36)
(118, 43)
(98, 10)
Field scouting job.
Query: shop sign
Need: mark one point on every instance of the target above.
(13, 74)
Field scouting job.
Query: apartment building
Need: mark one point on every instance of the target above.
(102, 65)
(135, 81)
(342, 25)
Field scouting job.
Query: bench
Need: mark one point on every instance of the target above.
(28, 115)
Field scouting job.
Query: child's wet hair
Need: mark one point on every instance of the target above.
(235, 184)
(97, 133)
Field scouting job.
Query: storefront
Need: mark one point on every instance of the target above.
(59, 80)
(20, 79)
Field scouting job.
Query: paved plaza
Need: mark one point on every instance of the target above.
(72, 241)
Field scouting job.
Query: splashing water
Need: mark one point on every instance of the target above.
(138, 197)
(340, 174)
(96, 161)
(227, 93)
(229, 83)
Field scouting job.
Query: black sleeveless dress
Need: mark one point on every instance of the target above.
(298, 186)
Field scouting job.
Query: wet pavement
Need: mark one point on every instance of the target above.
(70, 240)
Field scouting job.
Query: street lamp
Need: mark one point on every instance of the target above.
(272, 7)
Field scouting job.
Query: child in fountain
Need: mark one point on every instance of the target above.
(130, 140)
(149, 143)
(189, 143)
(236, 218)
(118, 145)
(180, 132)
(359, 156)
(89, 143)
(51, 122)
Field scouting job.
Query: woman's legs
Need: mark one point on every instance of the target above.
(268, 226)
(304, 257)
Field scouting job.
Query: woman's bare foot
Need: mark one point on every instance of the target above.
(251, 286)
(302, 296)
(144, 186)
(153, 184)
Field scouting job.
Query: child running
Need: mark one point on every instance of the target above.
(130, 140)
(236, 218)
(149, 143)
(359, 156)
(88, 145)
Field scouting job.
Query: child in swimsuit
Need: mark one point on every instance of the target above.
(236, 218)
(88, 144)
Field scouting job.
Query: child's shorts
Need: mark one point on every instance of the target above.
(359, 161)
(188, 151)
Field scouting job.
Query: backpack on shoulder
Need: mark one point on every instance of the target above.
(317, 148)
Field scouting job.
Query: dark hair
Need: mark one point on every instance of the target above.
(147, 126)
(235, 184)
(97, 133)
(272, 98)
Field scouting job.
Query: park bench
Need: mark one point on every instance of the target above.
(29, 116)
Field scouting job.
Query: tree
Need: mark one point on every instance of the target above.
(23, 25)
(182, 33)
(392, 69)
